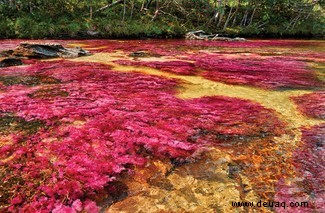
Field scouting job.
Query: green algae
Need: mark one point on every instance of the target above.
(11, 123)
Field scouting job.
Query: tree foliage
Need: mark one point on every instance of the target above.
(160, 18)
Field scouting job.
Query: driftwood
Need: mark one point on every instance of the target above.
(29, 50)
(109, 5)
(201, 35)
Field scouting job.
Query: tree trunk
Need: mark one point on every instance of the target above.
(216, 13)
(243, 21)
(30, 4)
(90, 9)
(252, 16)
(109, 5)
(295, 22)
(148, 4)
(157, 11)
(124, 10)
(222, 13)
(234, 15)
(142, 6)
(132, 9)
(227, 20)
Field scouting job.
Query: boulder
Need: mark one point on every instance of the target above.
(46, 50)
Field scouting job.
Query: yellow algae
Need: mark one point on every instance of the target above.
(207, 184)
(96, 48)
(6, 140)
(77, 45)
(319, 69)
(202, 186)
(78, 123)
(160, 59)
(197, 86)
(278, 100)
(5, 160)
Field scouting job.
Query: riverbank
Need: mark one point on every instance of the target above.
(160, 19)
(29, 29)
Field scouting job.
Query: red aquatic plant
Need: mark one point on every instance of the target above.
(309, 162)
(97, 124)
(266, 73)
(174, 46)
(177, 67)
(7, 44)
(272, 72)
(312, 104)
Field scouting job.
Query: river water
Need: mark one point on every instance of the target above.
(165, 126)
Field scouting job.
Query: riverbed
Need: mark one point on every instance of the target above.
(165, 126)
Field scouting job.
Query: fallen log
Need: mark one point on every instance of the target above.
(201, 35)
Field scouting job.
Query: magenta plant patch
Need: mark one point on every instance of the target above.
(309, 162)
(173, 46)
(71, 130)
(217, 61)
(312, 104)
(176, 67)
(269, 73)
(91, 124)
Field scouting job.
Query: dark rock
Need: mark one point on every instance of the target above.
(6, 53)
(28, 50)
(161, 182)
(139, 54)
(233, 170)
(143, 54)
(7, 62)
(31, 80)
(47, 50)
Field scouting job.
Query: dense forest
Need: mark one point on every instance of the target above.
(160, 18)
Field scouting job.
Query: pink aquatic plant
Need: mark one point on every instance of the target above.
(252, 70)
(92, 124)
(270, 73)
(285, 71)
(177, 67)
(312, 104)
(309, 162)
(176, 46)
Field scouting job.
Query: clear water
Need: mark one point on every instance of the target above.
(165, 126)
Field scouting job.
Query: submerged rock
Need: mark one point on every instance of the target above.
(45, 50)
(10, 61)
(30, 50)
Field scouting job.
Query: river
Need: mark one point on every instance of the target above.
(165, 126)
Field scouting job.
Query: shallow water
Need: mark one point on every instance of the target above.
(165, 126)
